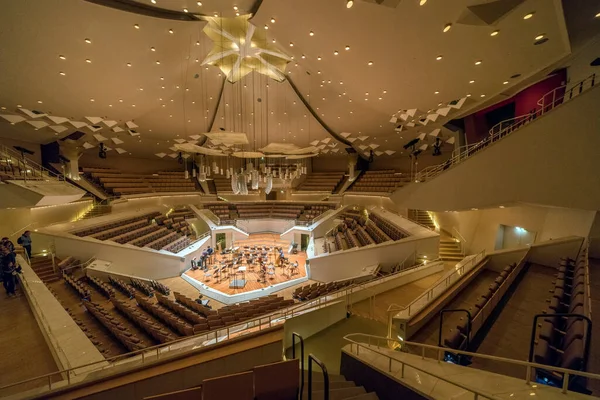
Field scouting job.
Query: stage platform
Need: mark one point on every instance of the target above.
(280, 278)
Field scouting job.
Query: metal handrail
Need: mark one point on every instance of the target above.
(504, 128)
(461, 240)
(33, 167)
(403, 364)
(294, 336)
(440, 351)
(447, 281)
(311, 359)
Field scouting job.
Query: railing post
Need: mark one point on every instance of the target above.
(528, 375)
(565, 385)
(49, 382)
(402, 371)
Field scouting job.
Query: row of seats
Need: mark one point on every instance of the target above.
(119, 230)
(165, 315)
(84, 293)
(154, 328)
(321, 181)
(114, 326)
(118, 183)
(105, 289)
(142, 287)
(130, 236)
(379, 181)
(121, 286)
(299, 211)
(184, 312)
(309, 292)
(113, 224)
(177, 245)
(388, 227)
(456, 338)
(160, 288)
(561, 340)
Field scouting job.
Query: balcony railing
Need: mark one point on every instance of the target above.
(14, 166)
(548, 102)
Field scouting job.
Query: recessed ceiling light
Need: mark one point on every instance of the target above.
(291, 44)
(318, 72)
(162, 78)
(483, 95)
(136, 26)
(528, 16)
(495, 33)
(335, 53)
(471, 81)
(438, 58)
(129, 64)
(436, 92)
(235, 8)
(385, 91)
(311, 33)
(185, 10)
(120, 100)
(319, 58)
(540, 36)
(349, 3)
(478, 62)
(88, 61)
(199, 3)
(110, 105)
(272, 20)
(266, 26)
(153, 1)
(62, 57)
(62, 73)
(505, 83)
(92, 100)
(237, 14)
(598, 15)
(447, 27)
(381, 98)
(500, 206)
(370, 63)
(171, 31)
(39, 102)
(88, 41)
(468, 94)
(347, 48)
(152, 49)
(303, 56)
(422, 2)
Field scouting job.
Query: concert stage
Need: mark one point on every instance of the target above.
(238, 279)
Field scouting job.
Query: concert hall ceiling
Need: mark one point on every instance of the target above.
(373, 76)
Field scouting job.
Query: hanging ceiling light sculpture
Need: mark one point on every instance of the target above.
(269, 185)
(255, 179)
(234, 184)
(240, 48)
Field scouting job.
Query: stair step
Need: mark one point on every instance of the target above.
(318, 376)
(365, 396)
(450, 251)
(319, 385)
(336, 394)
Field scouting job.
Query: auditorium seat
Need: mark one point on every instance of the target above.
(321, 182)
(379, 181)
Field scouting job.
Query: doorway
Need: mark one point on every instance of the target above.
(509, 237)
(221, 241)
(304, 239)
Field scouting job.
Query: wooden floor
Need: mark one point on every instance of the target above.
(252, 273)
(24, 353)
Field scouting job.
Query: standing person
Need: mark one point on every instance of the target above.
(209, 253)
(203, 260)
(9, 270)
(25, 241)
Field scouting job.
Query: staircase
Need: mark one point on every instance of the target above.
(340, 185)
(450, 249)
(97, 210)
(421, 217)
(339, 388)
(42, 266)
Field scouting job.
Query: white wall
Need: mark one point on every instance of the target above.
(16, 220)
(579, 68)
(349, 263)
(552, 161)
(381, 201)
(480, 228)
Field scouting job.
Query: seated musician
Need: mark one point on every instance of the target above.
(194, 263)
